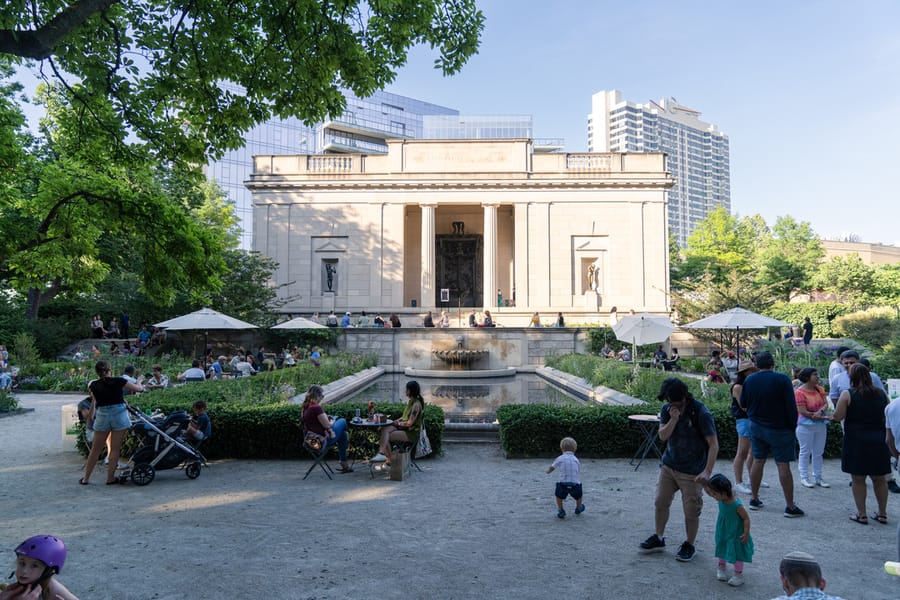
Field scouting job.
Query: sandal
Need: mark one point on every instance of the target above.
(880, 518)
(861, 519)
(345, 470)
(82, 481)
(114, 482)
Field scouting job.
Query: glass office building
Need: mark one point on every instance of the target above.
(363, 128)
(697, 152)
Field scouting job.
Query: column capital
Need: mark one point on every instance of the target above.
(490, 204)
(428, 204)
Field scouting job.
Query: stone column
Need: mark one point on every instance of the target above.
(489, 280)
(427, 291)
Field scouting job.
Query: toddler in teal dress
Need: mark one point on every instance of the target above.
(733, 541)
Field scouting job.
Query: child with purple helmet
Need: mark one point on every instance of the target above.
(38, 559)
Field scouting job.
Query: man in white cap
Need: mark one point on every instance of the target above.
(345, 320)
(801, 578)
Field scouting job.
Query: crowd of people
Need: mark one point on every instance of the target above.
(429, 319)
(773, 415)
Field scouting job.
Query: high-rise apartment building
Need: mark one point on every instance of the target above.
(698, 156)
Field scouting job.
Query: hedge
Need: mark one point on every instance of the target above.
(534, 430)
(273, 431)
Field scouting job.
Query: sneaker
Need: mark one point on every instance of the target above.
(742, 488)
(793, 511)
(807, 483)
(654, 543)
(755, 504)
(721, 574)
(580, 509)
(686, 552)
(822, 483)
(736, 580)
(561, 513)
(892, 485)
(763, 484)
(378, 458)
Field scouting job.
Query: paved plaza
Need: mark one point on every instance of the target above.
(472, 525)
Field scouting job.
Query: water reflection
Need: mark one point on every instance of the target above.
(470, 400)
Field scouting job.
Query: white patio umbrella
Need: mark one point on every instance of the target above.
(641, 330)
(299, 323)
(204, 320)
(736, 319)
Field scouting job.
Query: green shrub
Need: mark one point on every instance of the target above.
(534, 430)
(273, 431)
(821, 315)
(25, 354)
(8, 402)
(874, 327)
(887, 363)
(600, 336)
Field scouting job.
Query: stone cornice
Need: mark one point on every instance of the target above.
(276, 183)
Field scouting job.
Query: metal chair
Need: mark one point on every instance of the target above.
(318, 456)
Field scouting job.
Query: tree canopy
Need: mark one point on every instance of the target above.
(189, 78)
(84, 202)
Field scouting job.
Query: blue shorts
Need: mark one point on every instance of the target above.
(111, 418)
(780, 443)
(743, 427)
(565, 488)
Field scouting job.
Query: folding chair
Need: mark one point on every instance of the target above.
(318, 456)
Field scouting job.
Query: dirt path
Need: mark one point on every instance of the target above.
(473, 525)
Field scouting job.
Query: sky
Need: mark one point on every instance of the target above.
(807, 91)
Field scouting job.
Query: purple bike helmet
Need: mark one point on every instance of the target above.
(48, 549)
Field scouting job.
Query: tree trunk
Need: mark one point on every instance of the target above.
(37, 297)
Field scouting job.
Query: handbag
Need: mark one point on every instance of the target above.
(423, 448)
(314, 441)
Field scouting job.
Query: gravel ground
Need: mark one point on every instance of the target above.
(472, 525)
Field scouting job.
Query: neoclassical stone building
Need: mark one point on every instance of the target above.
(457, 223)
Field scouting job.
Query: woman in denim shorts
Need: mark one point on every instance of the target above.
(742, 424)
(110, 419)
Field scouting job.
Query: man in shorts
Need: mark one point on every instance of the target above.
(688, 429)
(768, 398)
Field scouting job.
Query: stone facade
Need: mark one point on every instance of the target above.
(387, 233)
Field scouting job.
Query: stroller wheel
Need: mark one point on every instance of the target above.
(142, 474)
(192, 470)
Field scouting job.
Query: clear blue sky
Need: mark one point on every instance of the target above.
(807, 91)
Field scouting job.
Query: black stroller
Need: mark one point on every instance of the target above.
(162, 447)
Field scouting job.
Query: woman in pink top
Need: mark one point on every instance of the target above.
(812, 426)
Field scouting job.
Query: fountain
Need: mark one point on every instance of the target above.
(459, 362)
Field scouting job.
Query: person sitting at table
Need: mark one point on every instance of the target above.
(669, 365)
(334, 429)
(624, 354)
(659, 355)
(407, 427)
(606, 351)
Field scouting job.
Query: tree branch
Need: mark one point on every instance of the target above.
(41, 42)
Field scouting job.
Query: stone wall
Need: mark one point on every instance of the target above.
(522, 348)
